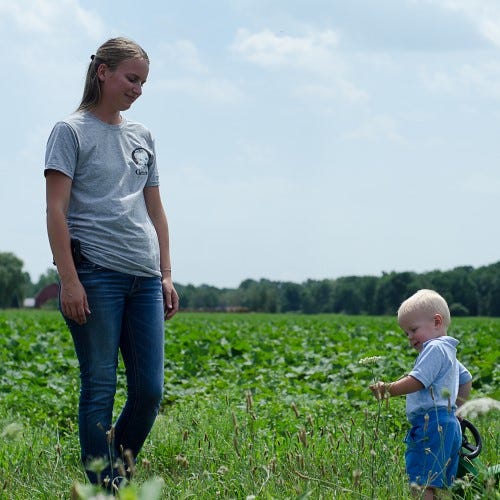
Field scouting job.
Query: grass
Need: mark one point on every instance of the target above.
(256, 406)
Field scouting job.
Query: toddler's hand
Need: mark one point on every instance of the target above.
(380, 390)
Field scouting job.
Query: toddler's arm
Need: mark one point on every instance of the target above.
(405, 385)
(463, 393)
(464, 384)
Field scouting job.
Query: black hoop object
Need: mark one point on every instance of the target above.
(470, 449)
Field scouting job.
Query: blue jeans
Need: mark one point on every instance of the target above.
(126, 316)
(432, 448)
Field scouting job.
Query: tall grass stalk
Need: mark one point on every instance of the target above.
(264, 407)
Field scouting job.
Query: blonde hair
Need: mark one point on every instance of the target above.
(111, 53)
(427, 302)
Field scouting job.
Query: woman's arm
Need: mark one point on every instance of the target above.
(73, 297)
(159, 220)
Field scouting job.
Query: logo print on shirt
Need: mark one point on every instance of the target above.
(141, 158)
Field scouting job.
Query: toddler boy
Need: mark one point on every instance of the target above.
(436, 386)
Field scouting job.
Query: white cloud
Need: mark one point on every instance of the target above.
(180, 69)
(481, 183)
(46, 32)
(316, 54)
(183, 54)
(485, 14)
(50, 16)
(204, 89)
(377, 127)
(482, 79)
(341, 89)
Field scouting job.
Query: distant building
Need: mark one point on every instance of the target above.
(49, 292)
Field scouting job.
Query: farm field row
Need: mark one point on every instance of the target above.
(274, 406)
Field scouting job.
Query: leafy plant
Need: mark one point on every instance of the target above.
(262, 406)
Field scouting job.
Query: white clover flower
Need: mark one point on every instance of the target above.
(416, 489)
(479, 406)
(12, 431)
(222, 470)
(370, 361)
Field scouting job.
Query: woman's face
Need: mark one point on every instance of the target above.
(121, 87)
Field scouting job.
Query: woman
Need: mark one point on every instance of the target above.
(109, 236)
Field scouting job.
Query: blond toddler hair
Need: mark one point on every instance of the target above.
(427, 302)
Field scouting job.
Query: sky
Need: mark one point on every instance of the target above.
(296, 139)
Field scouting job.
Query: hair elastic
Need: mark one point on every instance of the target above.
(92, 57)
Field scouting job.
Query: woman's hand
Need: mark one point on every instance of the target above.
(74, 303)
(170, 297)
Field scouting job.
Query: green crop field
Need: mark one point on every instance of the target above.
(255, 406)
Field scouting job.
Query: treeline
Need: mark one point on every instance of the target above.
(16, 284)
(469, 292)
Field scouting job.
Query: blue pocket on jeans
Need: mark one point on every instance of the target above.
(416, 437)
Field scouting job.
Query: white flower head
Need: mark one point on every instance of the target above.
(222, 470)
(370, 361)
(479, 406)
(446, 393)
(12, 431)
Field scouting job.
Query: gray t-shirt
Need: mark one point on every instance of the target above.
(436, 366)
(110, 165)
